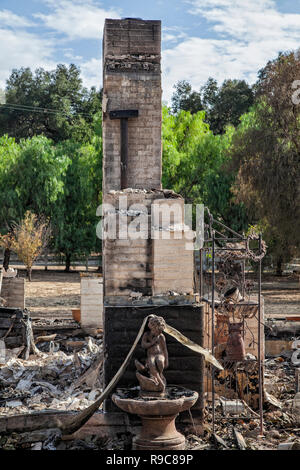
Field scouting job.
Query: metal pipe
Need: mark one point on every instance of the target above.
(201, 273)
(227, 228)
(202, 368)
(213, 328)
(124, 152)
(260, 365)
(202, 364)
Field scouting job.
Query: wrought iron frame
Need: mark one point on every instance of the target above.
(211, 243)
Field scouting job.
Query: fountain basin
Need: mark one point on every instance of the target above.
(158, 416)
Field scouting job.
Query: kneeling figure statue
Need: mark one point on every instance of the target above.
(154, 342)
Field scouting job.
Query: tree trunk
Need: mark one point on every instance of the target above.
(29, 273)
(6, 259)
(68, 263)
(279, 267)
(99, 269)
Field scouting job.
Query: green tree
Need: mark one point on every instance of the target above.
(53, 103)
(195, 165)
(225, 105)
(30, 179)
(74, 221)
(9, 156)
(266, 154)
(185, 98)
(33, 179)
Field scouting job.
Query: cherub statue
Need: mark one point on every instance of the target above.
(154, 342)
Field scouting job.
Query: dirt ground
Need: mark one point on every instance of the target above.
(54, 293)
(281, 296)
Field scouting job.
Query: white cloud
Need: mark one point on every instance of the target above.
(172, 34)
(245, 35)
(79, 19)
(91, 73)
(248, 20)
(69, 54)
(8, 18)
(23, 49)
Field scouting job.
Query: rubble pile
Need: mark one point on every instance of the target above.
(281, 416)
(63, 378)
(122, 441)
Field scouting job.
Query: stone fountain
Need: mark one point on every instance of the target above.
(155, 403)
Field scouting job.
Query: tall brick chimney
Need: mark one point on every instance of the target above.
(139, 272)
(132, 81)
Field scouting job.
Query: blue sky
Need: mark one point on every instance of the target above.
(201, 38)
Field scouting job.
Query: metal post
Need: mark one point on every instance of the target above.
(124, 152)
(213, 328)
(201, 273)
(124, 115)
(202, 365)
(260, 364)
(202, 368)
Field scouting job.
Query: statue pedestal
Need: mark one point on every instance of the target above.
(159, 433)
(158, 417)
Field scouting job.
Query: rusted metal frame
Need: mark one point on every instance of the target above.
(201, 273)
(224, 226)
(213, 328)
(214, 250)
(259, 362)
(225, 239)
(231, 249)
(240, 237)
(202, 365)
(243, 274)
(260, 365)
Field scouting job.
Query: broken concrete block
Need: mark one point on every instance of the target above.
(2, 352)
(37, 446)
(296, 402)
(13, 403)
(292, 445)
(91, 302)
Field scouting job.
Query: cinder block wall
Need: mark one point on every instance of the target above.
(132, 80)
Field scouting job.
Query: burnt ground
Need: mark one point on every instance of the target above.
(53, 293)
